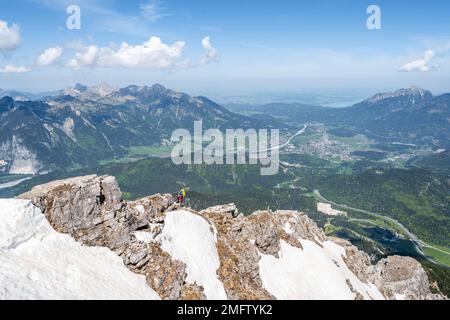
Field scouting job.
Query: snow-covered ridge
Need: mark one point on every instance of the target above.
(39, 263)
(180, 254)
(314, 272)
(189, 238)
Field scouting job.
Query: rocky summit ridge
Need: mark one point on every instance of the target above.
(218, 253)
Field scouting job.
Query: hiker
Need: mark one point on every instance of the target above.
(181, 196)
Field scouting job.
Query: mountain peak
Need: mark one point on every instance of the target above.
(102, 89)
(131, 89)
(6, 100)
(158, 88)
(80, 87)
(413, 92)
(75, 90)
(154, 90)
(134, 89)
(6, 103)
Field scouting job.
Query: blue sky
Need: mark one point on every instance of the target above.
(254, 46)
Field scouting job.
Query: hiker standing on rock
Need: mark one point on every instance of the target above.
(181, 198)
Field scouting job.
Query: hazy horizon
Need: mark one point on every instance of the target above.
(333, 98)
(225, 48)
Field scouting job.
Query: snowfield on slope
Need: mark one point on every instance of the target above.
(39, 263)
(188, 237)
(314, 273)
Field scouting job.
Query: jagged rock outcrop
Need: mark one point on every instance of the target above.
(217, 252)
(402, 278)
(91, 210)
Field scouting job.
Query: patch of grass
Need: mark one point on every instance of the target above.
(438, 256)
(150, 150)
(139, 153)
(331, 229)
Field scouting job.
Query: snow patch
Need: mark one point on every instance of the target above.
(287, 228)
(39, 263)
(144, 236)
(313, 273)
(140, 208)
(187, 237)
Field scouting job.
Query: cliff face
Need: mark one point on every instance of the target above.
(217, 253)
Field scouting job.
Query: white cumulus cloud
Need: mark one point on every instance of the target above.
(152, 54)
(86, 56)
(9, 36)
(14, 69)
(50, 56)
(211, 53)
(420, 65)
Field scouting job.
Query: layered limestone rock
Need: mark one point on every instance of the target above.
(92, 211)
(402, 278)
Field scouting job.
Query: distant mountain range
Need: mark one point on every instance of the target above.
(408, 115)
(82, 125)
(411, 115)
(21, 96)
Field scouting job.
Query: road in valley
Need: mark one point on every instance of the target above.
(281, 146)
(13, 183)
(417, 242)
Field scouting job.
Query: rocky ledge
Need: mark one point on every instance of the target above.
(218, 253)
